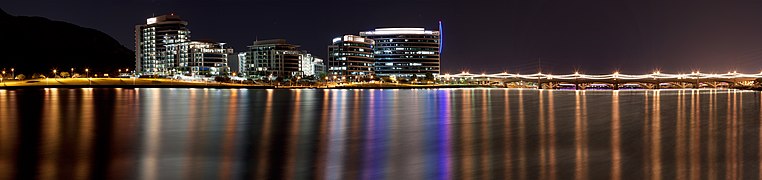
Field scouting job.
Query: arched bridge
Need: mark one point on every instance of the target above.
(615, 80)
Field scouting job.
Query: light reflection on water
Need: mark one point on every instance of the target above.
(379, 134)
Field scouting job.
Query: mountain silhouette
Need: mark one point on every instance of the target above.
(39, 45)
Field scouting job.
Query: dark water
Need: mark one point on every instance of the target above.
(379, 134)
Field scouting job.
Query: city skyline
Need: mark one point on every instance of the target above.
(599, 37)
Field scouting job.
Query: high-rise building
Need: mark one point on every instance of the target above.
(150, 41)
(405, 52)
(244, 67)
(310, 65)
(351, 55)
(196, 58)
(273, 57)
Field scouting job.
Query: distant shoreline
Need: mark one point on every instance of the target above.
(169, 83)
(73, 83)
(223, 86)
(217, 86)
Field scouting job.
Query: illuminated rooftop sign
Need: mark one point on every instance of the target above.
(392, 31)
(151, 20)
(352, 38)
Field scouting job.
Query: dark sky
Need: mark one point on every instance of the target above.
(593, 36)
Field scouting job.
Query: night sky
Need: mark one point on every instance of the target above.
(594, 36)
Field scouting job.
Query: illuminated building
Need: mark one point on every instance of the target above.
(150, 41)
(243, 65)
(405, 52)
(272, 57)
(310, 65)
(196, 58)
(278, 58)
(351, 55)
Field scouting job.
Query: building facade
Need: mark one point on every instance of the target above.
(274, 57)
(243, 66)
(310, 65)
(351, 55)
(198, 58)
(150, 41)
(405, 52)
(278, 58)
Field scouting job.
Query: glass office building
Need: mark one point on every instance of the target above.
(405, 52)
(351, 55)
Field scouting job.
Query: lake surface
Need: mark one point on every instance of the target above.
(379, 134)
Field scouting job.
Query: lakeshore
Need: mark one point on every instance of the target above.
(170, 83)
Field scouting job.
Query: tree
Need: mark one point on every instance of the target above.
(321, 75)
(429, 76)
(64, 74)
(20, 77)
(222, 79)
(279, 79)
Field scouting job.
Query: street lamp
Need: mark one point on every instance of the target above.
(13, 73)
(131, 76)
(3, 79)
(87, 75)
(54, 73)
